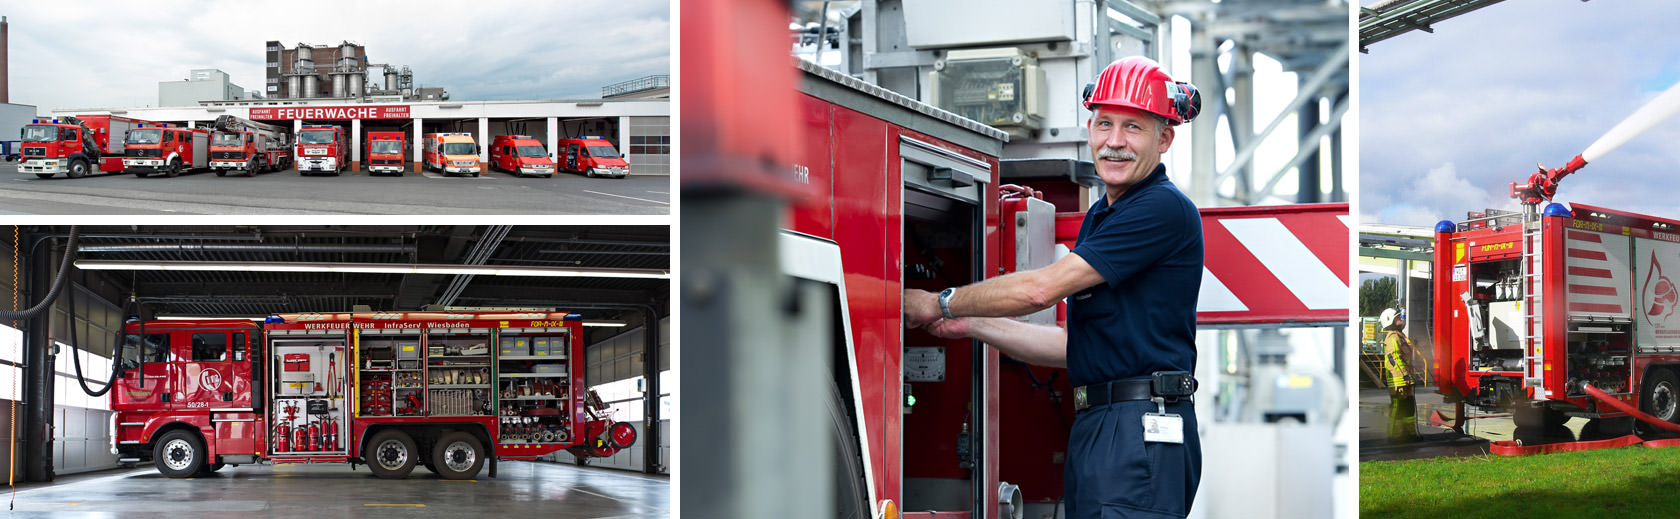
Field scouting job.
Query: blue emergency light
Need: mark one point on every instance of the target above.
(1557, 209)
(574, 316)
(274, 319)
(1445, 226)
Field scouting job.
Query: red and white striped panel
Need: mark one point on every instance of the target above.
(1275, 265)
(1599, 277)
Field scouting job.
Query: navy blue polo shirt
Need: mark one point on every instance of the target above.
(1148, 247)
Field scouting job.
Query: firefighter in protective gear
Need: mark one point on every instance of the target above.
(1397, 353)
(1131, 285)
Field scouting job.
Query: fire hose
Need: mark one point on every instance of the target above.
(57, 286)
(1515, 448)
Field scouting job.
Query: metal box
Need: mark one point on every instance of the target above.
(1001, 87)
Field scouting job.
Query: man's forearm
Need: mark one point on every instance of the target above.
(1004, 296)
(1032, 343)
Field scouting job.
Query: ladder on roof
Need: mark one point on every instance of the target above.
(1533, 304)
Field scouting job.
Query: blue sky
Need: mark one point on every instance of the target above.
(101, 53)
(1450, 119)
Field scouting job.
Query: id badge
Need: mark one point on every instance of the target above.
(1163, 428)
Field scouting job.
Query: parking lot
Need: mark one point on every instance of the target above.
(287, 192)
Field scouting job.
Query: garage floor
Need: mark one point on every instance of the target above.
(520, 490)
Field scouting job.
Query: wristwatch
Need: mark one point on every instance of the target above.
(945, 302)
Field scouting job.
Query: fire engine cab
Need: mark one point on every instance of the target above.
(75, 146)
(169, 150)
(322, 147)
(447, 391)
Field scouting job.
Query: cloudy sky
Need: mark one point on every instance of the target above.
(87, 54)
(1450, 119)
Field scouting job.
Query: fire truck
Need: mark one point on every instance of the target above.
(321, 147)
(520, 155)
(169, 150)
(451, 153)
(76, 145)
(385, 153)
(450, 392)
(242, 144)
(1533, 309)
(948, 427)
(592, 156)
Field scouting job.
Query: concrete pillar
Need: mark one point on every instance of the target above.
(297, 126)
(553, 139)
(1204, 66)
(623, 136)
(419, 150)
(483, 141)
(355, 145)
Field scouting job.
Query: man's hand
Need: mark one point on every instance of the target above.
(920, 308)
(950, 328)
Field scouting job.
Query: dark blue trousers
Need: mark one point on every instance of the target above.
(1112, 473)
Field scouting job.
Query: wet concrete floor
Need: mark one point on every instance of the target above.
(520, 490)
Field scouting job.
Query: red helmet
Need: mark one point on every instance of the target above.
(1138, 82)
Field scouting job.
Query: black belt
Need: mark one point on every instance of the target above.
(1171, 387)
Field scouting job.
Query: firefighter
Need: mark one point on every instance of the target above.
(1397, 353)
(1131, 287)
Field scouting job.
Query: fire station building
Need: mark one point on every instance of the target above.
(639, 128)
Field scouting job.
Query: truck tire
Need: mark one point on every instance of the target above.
(221, 172)
(179, 454)
(1660, 395)
(1540, 417)
(458, 455)
(392, 454)
(174, 169)
(589, 172)
(78, 169)
(851, 497)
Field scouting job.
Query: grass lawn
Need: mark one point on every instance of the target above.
(1626, 482)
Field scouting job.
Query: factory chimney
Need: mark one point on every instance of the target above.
(5, 64)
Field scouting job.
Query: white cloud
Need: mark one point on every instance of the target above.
(89, 54)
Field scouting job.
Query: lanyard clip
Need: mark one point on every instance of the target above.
(1160, 404)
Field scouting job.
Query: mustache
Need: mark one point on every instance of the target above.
(1115, 154)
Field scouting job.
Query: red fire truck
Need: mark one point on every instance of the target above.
(242, 144)
(322, 147)
(942, 427)
(385, 153)
(1529, 314)
(447, 391)
(76, 145)
(520, 155)
(592, 156)
(169, 150)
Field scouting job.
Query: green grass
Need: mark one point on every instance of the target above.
(1624, 483)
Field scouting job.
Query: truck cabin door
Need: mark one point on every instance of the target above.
(143, 389)
(210, 377)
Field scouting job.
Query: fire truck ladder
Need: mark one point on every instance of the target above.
(1534, 335)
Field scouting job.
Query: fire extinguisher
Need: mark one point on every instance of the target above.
(301, 440)
(315, 435)
(282, 435)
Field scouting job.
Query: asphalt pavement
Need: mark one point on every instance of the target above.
(287, 192)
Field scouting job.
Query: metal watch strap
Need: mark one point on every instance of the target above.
(945, 302)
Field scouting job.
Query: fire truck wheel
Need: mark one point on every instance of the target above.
(458, 455)
(589, 172)
(179, 454)
(174, 169)
(221, 172)
(78, 168)
(851, 499)
(394, 454)
(1661, 395)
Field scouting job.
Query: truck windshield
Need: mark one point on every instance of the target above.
(40, 133)
(458, 148)
(145, 136)
(603, 152)
(532, 151)
(226, 139)
(386, 147)
(315, 137)
(157, 349)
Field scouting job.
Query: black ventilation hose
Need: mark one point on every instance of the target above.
(58, 283)
(75, 359)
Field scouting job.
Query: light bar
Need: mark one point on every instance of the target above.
(374, 268)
